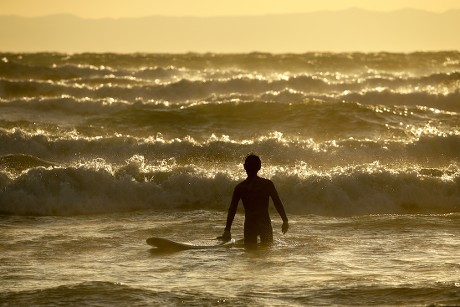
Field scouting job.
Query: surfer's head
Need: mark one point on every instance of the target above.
(252, 164)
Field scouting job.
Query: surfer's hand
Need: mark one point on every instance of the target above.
(285, 227)
(227, 236)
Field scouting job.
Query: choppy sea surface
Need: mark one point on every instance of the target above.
(98, 152)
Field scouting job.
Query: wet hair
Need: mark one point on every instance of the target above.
(252, 163)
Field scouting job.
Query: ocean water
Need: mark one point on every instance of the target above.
(98, 152)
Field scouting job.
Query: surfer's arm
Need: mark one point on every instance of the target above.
(232, 210)
(279, 207)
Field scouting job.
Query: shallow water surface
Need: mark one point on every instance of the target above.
(104, 260)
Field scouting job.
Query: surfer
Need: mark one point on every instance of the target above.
(255, 192)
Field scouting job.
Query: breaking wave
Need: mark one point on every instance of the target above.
(97, 186)
(340, 134)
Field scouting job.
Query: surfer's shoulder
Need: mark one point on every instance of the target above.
(265, 181)
(257, 180)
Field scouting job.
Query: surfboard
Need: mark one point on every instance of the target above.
(169, 245)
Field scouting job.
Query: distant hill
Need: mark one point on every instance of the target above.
(348, 30)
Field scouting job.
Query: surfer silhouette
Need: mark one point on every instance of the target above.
(255, 192)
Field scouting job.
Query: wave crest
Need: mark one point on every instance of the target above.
(99, 187)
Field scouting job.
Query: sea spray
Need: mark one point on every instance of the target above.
(99, 187)
(339, 134)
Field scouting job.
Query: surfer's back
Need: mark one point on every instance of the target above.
(255, 192)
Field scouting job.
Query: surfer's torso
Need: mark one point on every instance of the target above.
(255, 193)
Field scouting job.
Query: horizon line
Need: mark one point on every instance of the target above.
(235, 15)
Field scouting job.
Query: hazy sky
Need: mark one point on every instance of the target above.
(339, 30)
(137, 8)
